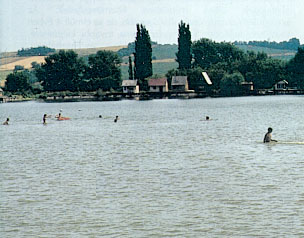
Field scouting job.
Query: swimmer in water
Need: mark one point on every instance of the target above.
(207, 118)
(116, 119)
(58, 116)
(6, 122)
(267, 137)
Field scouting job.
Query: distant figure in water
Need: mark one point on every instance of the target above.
(267, 137)
(207, 118)
(100, 116)
(116, 119)
(44, 119)
(59, 116)
(6, 122)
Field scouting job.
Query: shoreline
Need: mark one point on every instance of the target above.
(117, 96)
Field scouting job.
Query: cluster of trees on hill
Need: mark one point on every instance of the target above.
(65, 71)
(292, 44)
(228, 67)
(36, 51)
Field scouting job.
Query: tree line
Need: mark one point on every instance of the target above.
(227, 66)
(292, 44)
(35, 51)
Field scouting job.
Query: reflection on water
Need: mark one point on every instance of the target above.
(160, 171)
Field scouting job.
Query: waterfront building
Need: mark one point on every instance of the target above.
(179, 83)
(281, 85)
(130, 86)
(158, 85)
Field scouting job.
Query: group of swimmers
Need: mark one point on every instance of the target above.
(267, 137)
(59, 118)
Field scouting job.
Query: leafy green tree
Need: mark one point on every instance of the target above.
(230, 85)
(207, 53)
(216, 72)
(262, 70)
(183, 55)
(31, 76)
(61, 71)
(104, 70)
(35, 65)
(17, 82)
(130, 71)
(142, 56)
(296, 69)
(18, 67)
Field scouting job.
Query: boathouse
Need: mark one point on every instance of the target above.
(158, 85)
(281, 85)
(130, 86)
(247, 87)
(179, 83)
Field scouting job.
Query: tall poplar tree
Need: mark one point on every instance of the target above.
(295, 68)
(183, 55)
(142, 56)
(130, 69)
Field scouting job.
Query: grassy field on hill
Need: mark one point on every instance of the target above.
(159, 67)
(275, 53)
(90, 51)
(26, 62)
(3, 75)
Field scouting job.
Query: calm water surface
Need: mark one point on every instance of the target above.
(161, 171)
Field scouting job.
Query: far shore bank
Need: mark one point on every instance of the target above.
(116, 96)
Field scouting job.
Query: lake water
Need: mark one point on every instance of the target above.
(160, 171)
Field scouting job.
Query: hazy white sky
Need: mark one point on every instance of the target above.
(98, 23)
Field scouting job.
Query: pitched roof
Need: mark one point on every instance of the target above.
(282, 81)
(157, 82)
(126, 83)
(179, 80)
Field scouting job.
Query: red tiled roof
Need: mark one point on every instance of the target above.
(157, 82)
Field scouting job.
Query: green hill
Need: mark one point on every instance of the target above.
(275, 53)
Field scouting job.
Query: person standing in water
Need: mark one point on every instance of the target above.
(267, 137)
(6, 122)
(44, 119)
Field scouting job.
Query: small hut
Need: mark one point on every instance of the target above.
(281, 85)
(158, 85)
(130, 86)
(179, 83)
